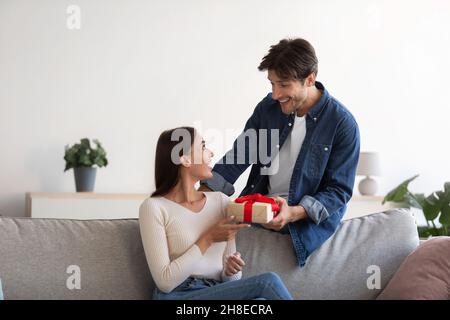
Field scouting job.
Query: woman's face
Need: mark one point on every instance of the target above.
(200, 159)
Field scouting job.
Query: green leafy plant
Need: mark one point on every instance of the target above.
(435, 207)
(83, 155)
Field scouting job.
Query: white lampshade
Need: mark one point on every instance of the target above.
(369, 164)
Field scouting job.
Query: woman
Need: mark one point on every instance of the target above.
(189, 242)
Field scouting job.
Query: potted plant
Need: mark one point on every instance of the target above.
(82, 158)
(435, 207)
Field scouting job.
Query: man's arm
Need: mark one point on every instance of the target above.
(339, 176)
(228, 169)
(337, 185)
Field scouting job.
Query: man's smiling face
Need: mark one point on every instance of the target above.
(290, 93)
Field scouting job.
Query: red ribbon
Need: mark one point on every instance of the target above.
(251, 199)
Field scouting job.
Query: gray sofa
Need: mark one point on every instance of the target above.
(38, 258)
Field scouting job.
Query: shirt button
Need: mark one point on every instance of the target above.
(252, 186)
(278, 146)
(326, 149)
(290, 124)
(315, 119)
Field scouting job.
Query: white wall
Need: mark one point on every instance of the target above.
(138, 67)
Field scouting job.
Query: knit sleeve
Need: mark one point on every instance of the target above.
(166, 274)
(231, 244)
(229, 250)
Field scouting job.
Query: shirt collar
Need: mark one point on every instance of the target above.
(317, 109)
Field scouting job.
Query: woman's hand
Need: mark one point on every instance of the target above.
(233, 264)
(224, 230)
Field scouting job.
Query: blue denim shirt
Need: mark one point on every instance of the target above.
(324, 173)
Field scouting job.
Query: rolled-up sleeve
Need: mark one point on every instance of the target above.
(314, 209)
(339, 177)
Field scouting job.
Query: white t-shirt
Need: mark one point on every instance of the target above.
(280, 179)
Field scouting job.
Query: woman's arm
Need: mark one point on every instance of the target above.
(166, 274)
(230, 248)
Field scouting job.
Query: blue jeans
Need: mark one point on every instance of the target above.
(267, 286)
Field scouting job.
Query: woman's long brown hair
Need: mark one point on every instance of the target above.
(167, 173)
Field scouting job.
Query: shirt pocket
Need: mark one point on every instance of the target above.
(318, 159)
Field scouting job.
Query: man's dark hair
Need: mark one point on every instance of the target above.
(291, 59)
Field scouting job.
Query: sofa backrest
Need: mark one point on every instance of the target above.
(357, 262)
(104, 259)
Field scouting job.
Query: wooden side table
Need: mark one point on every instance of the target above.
(359, 206)
(84, 205)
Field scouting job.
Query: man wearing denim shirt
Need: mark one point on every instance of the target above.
(305, 153)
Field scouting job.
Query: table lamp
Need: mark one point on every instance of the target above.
(368, 165)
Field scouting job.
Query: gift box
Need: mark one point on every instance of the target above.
(254, 208)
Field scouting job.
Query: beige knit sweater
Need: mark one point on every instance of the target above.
(169, 232)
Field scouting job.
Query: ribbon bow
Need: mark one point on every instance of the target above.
(251, 199)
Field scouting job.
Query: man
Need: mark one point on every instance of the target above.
(311, 170)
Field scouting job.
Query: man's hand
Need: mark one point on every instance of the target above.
(233, 264)
(286, 215)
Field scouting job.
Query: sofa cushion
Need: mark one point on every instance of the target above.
(341, 267)
(425, 273)
(43, 258)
